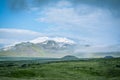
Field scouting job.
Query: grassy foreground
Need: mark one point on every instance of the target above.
(94, 69)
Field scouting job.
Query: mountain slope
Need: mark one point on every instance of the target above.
(22, 49)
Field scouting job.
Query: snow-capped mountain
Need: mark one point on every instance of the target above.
(41, 45)
(55, 43)
(56, 39)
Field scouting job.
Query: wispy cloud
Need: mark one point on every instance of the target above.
(12, 36)
(84, 21)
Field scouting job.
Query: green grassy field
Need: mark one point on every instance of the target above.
(93, 69)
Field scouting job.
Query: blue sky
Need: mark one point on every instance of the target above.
(90, 22)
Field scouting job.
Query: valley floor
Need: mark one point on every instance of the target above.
(93, 69)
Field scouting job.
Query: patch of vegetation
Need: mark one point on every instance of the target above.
(22, 73)
(92, 69)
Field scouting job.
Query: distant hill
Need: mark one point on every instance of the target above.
(69, 57)
(108, 57)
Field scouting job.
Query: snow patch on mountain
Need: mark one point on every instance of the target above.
(56, 39)
(39, 40)
(63, 40)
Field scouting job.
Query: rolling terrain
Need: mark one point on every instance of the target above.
(91, 69)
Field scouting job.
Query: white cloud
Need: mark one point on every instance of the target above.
(60, 16)
(18, 31)
(99, 48)
(97, 51)
(83, 21)
(85, 16)
(13, 36)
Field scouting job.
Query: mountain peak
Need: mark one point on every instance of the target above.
(39, 40)
(56, 39)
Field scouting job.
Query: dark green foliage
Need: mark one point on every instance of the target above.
(10, 65)
(118, 65)
(24, 65)
(108, 57)
(22, 73)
